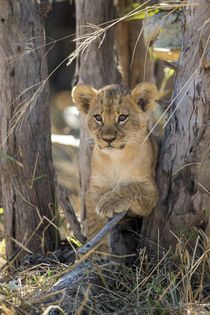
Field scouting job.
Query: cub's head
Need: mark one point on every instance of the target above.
(116, 116)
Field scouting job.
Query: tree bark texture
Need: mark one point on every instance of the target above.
(183, 175)
(27, 152)
(97, 67)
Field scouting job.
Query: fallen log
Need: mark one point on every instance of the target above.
(73, 288)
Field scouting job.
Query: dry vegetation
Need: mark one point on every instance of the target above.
(94, 32)
(175, 282)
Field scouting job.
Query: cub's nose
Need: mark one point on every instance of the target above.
(109, 139)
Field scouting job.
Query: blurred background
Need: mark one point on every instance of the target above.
(162, 37)
(60, 32)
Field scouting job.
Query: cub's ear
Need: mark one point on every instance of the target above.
(82, 96)
(144, 95)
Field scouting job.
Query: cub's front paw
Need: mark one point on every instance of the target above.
(110, 204)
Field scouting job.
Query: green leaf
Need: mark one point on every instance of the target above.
(206, 209)
(142, 15)
(1, 210)
(74, 240)
(168, 73)
(138, 16)
(129, 9)
(8, 157)
(36, 178)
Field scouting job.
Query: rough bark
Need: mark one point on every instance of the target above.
(183, 175)
(23, 67)
(97, 67)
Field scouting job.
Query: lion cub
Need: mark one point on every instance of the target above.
(124, 158)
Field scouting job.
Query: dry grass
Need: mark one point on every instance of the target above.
(94, 32)
(178, 282)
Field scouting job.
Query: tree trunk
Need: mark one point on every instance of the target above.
(134, 57)
(97, 67)
(183, 175)
(26, 167)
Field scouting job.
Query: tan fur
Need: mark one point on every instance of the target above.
(123, 164)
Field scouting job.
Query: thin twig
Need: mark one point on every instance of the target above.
(34, 171)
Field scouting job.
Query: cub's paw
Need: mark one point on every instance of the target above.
(110, 204)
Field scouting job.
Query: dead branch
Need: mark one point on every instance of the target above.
(172, 65)
(70, 214)
(106, 229)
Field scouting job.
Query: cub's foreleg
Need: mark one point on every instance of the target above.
(139, 197)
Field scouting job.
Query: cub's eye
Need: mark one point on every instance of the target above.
(122, 118)
(98, 118)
